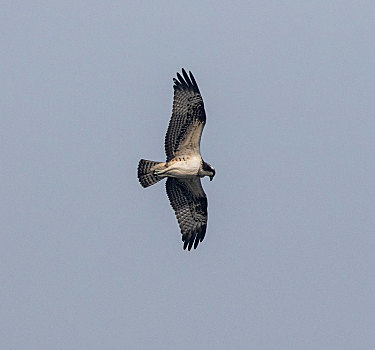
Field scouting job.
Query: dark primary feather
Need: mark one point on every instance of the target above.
(188, 108)
(189, 202)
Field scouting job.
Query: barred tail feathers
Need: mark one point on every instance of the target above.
(146, 174)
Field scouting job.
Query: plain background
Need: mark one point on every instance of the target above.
(90, 260)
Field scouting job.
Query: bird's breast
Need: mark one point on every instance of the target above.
(183, 166)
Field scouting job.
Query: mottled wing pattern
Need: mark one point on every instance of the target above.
(189, 202)
(188, 115)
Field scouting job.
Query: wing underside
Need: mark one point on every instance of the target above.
(189, 203)
(188, 117)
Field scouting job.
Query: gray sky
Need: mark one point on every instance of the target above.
(90, 260)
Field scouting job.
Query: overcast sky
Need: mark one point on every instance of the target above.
(90, 260)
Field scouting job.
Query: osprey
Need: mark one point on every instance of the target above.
(184, 165)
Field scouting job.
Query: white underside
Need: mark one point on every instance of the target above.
(182, 168)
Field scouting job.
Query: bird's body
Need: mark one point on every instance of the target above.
(181, 167)
(184, 165)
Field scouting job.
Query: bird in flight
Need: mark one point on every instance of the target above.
(184, 165)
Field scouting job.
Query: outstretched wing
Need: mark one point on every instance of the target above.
(188, 118)
(189, 202)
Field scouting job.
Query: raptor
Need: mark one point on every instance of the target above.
(184, 166)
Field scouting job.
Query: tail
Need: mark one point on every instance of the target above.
(146, 174)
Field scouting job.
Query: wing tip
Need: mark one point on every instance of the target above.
(185, 81)
(192, 240)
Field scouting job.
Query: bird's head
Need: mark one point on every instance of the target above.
(209, 170)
